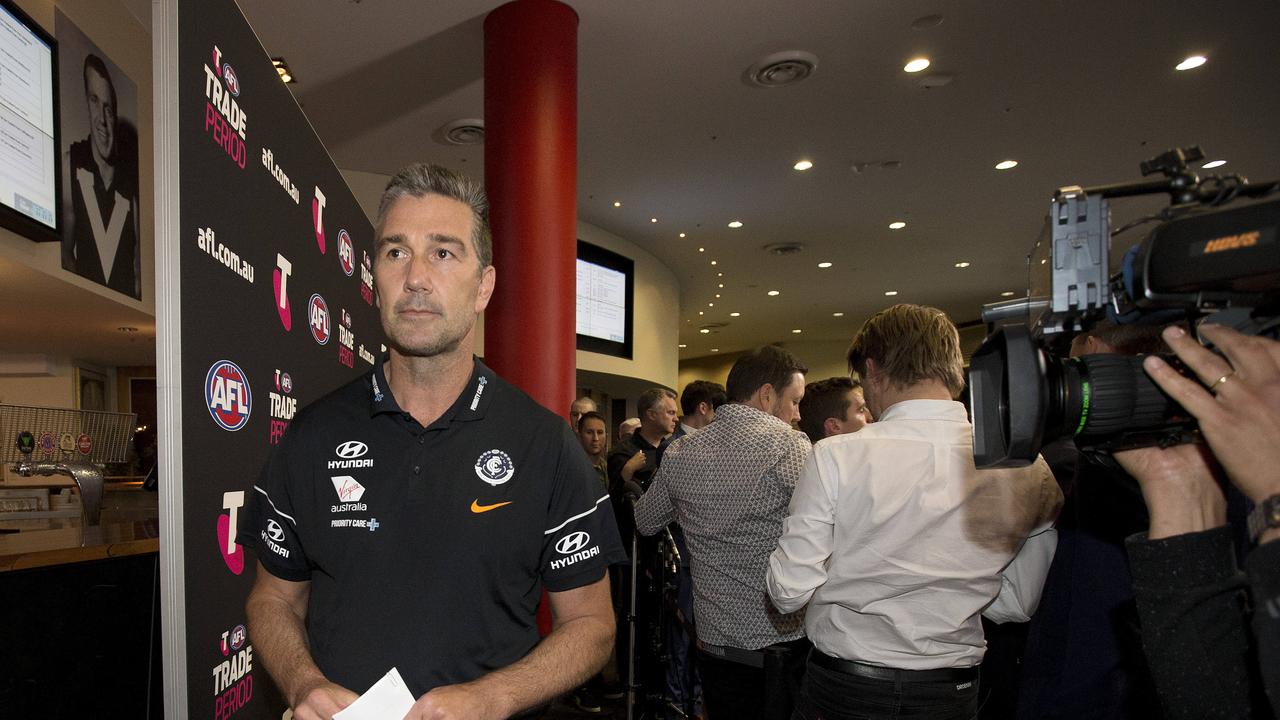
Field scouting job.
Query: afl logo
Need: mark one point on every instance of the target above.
(226, 392)
(351, 449)
(495, 467)
(275, 532)
(318, 317)
(346, 254)
(233, 82)
(572, 543)
(238, 636)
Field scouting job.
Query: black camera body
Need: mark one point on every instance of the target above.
(1203, 263)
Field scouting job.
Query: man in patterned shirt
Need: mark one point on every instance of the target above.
(729, 486)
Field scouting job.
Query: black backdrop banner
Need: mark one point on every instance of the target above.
(276, 311)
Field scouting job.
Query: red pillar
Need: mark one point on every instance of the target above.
(531, 176)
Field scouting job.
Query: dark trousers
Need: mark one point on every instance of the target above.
(736, 691)
(831, 695)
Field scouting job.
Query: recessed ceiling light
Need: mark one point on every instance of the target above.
(705, 331)
(282, 69)
(682, 346)
(617, 204)
(681, 234)
(717, 295)
(1007, 293)
(1191, 62)
(916, 65)
(897, 225)
(797, 331)
(890, 293)
(721, 284)
(962, 264)
(713, 262)
(711, 304)
(802, 165)
(715, 349)
(127, 329)
(653, 219)
(719, 274)
(837, 314)
(774, 293)
(701, 313)
(824, 264)
(735, 224)
(1006, 164)
(702, 249)
(1213, 164)
(735, 314)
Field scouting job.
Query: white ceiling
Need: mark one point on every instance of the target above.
(1077, 92)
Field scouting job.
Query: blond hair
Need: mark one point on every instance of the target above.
(910, 344)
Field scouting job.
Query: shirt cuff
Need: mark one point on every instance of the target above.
(1189, 560)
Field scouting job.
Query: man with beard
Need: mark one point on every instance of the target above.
(101, 241)
(412, 518)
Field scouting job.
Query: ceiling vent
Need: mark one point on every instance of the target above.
(784, 248)
(468, 131)
(781, 68)
(935, 80)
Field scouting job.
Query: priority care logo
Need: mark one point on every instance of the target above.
(366, 277)
(318, 318)
(224, 120)
(283, 407)
(227, 394)
(233, 677)
(346, 341)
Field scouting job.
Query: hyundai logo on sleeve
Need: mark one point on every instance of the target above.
(573, 542)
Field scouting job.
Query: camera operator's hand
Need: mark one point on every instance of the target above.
(1178, 486)
(1241, 416)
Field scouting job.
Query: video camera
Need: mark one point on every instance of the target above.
(1202, 263)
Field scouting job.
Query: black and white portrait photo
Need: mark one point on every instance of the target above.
(101, 236)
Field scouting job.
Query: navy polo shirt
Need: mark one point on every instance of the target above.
(427, 548)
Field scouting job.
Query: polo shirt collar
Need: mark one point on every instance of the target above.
(471, 404)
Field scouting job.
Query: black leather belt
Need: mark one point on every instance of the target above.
(876, 672)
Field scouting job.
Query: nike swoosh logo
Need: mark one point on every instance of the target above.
(476, 507)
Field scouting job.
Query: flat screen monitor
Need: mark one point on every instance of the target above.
(606, 288)
(29, 177)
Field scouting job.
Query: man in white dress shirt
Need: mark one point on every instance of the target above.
(898, 545)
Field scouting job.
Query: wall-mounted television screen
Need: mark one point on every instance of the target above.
(606, 288)
(29, 176)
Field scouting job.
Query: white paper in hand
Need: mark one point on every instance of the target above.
(388, 699)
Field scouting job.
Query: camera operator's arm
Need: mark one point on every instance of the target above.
(1240, 417)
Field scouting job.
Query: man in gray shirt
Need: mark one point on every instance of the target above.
(728, 486)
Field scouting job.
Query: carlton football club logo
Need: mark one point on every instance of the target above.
(226, 392)
(495, 467)
(346, 253)
(318, 318)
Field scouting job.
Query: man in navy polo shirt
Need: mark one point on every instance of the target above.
(412, 518)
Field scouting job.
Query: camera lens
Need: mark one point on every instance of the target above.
(1116, 395)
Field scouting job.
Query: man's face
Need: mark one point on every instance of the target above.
(592, 436)
(664, 416)
(429, 282)
(102, 113)
(856, 416)
(786, 404)
(578, 409)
